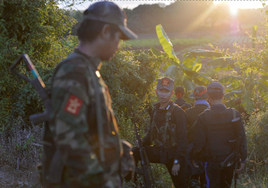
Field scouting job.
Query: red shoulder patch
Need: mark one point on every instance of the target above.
(73, 105)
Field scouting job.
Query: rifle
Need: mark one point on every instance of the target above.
(38, 84)
(237, 146)
(146, 167)
(237, 159)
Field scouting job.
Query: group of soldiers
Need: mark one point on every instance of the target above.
(81, 142)
(196, 143)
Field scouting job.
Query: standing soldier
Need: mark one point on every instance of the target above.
(167, 134)
(200, 95)
(179, 92)
(220, 140)
(82, 146)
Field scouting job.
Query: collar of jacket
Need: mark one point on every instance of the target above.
(94, 60)
(218, 106)
(157, 105)
(180, 101)
(201, 102)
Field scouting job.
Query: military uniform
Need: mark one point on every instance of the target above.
(217, 133)
(179, 92)
(200, 105)
(166, 140)
(82, 146)
(74, 124)
(182, 103)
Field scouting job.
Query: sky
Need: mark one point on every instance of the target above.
(234, 5)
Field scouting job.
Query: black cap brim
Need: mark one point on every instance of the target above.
(127, 33)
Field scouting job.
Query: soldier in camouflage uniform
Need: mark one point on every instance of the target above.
(82, 143)
(166, 140)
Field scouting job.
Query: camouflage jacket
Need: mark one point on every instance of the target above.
(74, 124)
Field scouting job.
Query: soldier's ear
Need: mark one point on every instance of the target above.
(105, 31)
(172, 92)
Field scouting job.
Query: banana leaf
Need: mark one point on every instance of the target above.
(232, 94)
(222, 62)
(248, 102)
(193, 64)
(230, 79)
(156, 51)
(201, 79)
(166, 43)
(172, 71)
(188, 84)
(203, 54)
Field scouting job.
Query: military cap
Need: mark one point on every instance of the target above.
(200, 92)
(109, 12)
(215, 87)
(179, 89)
(165, 83)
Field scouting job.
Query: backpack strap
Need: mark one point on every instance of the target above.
(168, 116)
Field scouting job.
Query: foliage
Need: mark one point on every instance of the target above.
(185, 72)
(143, 43)
(38, 29)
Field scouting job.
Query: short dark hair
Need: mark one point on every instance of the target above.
(88, 30)
(215, 95)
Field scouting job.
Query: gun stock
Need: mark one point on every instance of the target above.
(37, 83)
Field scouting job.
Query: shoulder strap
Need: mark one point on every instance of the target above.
(194, 124)
(168, 115)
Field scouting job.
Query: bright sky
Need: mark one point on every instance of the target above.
(234, 5)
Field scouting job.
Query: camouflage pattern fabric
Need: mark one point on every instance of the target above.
(73, 123)
(127, 160)
(165, 135)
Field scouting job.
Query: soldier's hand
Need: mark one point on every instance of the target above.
(194, 164)
(238, 171)
(175, 169)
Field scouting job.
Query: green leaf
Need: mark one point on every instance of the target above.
(192, 64)
(262, 87)
(203, 54)
(188, 84)
(232, 94)
(221, 62)
(230, 79)
(156, 51)
(248, 102)
(172, 71)
(203, 79)
(166, 43)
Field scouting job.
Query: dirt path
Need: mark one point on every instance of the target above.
(19, 178)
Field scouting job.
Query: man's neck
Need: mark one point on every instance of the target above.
(215, 102)
(88, 49)
(163, 105)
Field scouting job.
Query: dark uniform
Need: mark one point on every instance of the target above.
(217, 133)
(194, 174)
(83, 148)
(166, 140)
(179, 92)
